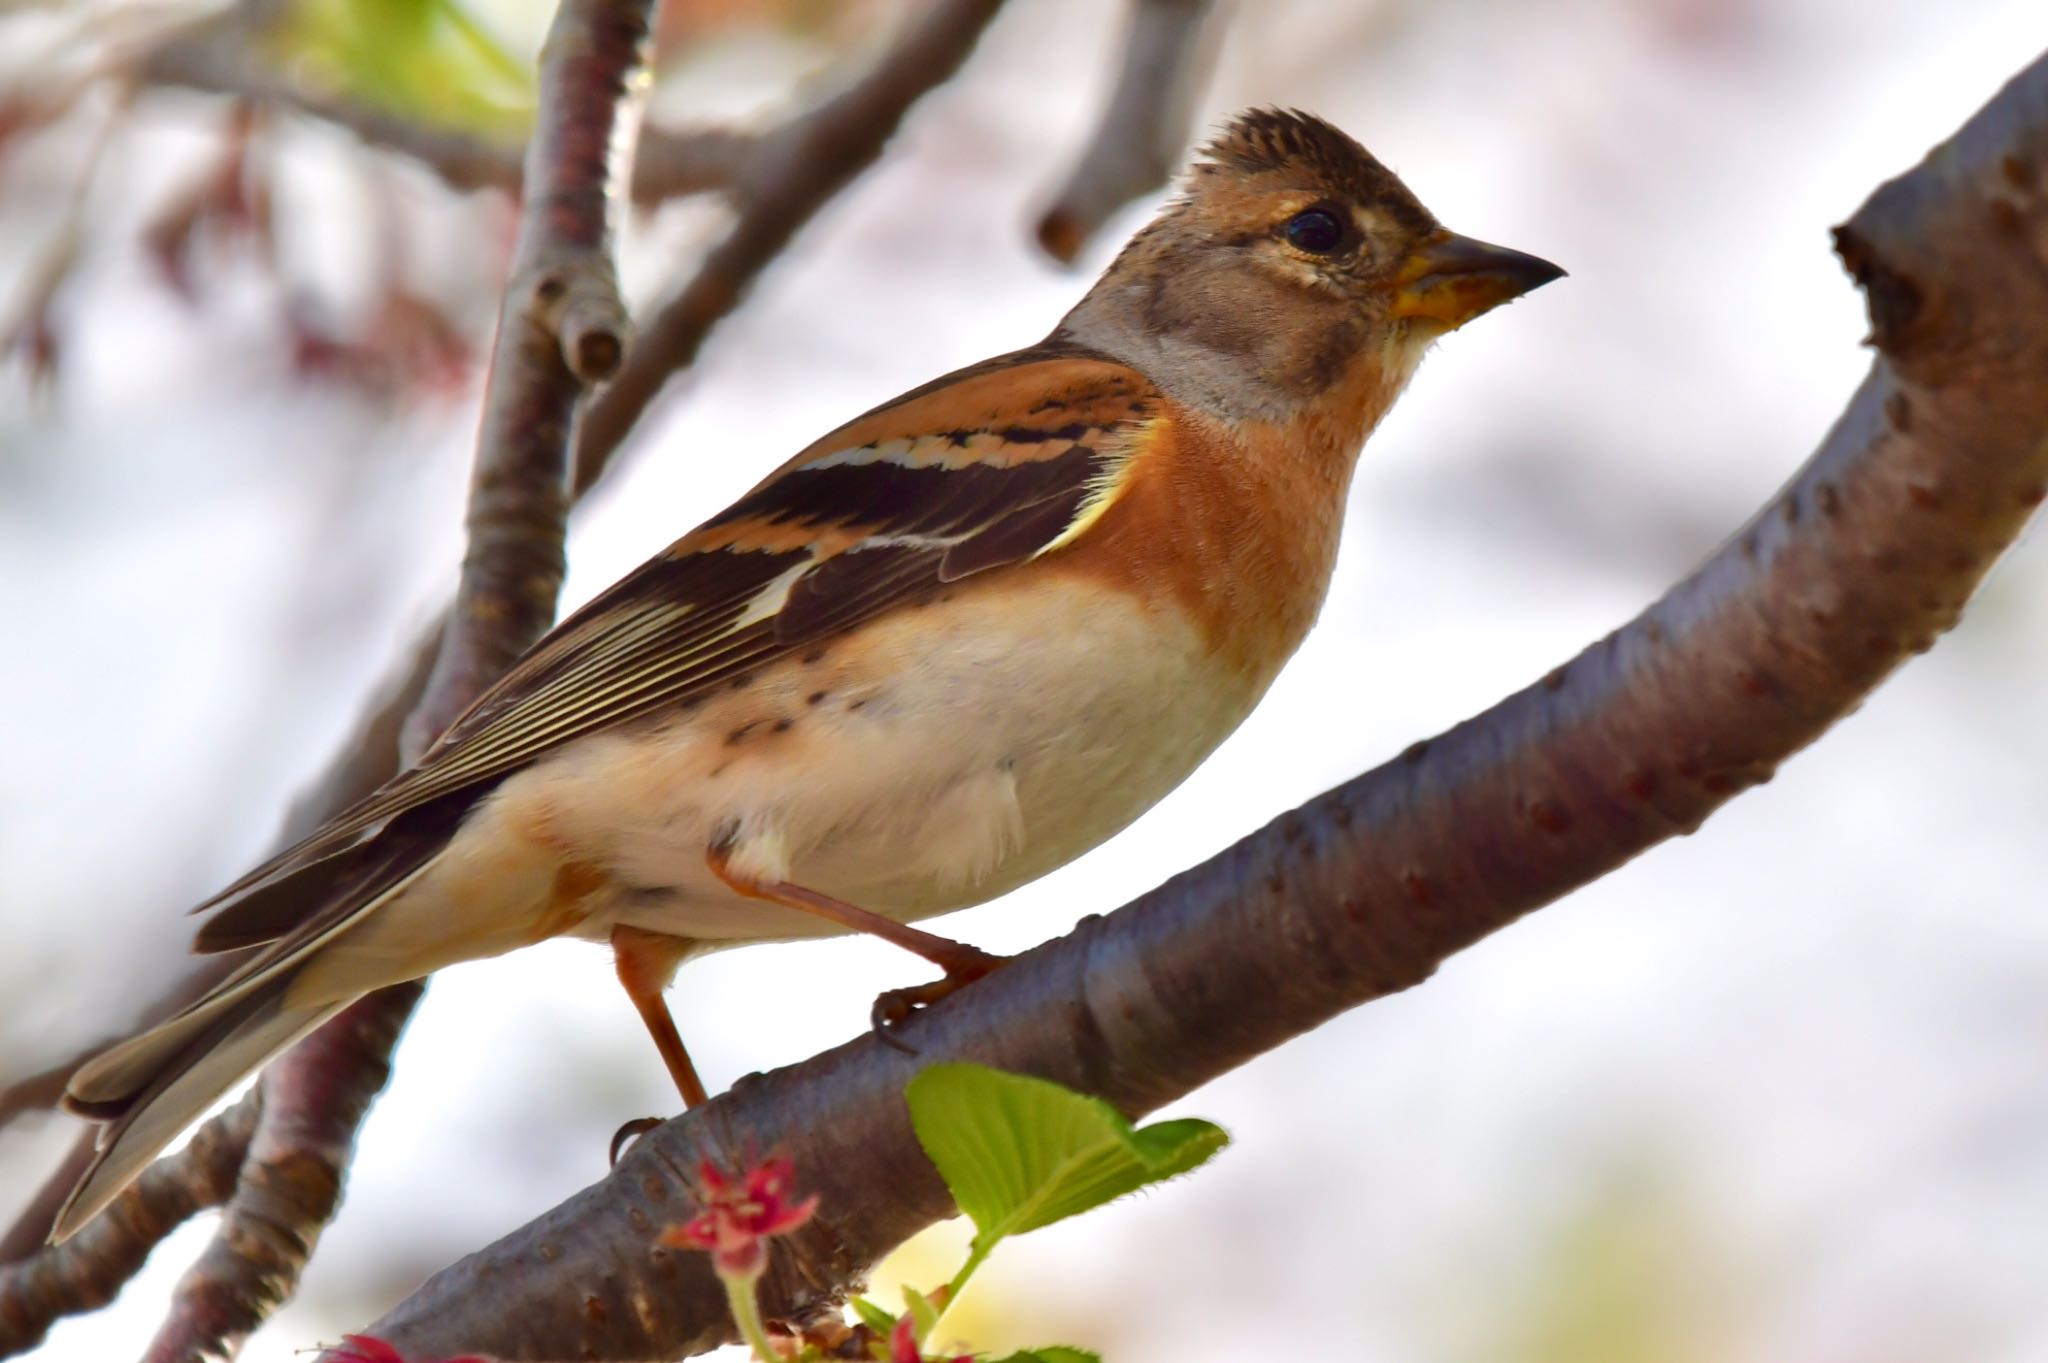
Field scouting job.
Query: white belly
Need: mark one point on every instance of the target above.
(1013, 734)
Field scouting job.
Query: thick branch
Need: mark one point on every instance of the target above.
(1141, 132)
(1862, 561)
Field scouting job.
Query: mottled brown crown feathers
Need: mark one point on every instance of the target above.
(1261, 140)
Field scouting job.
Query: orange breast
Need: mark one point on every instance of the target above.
(1237, 524)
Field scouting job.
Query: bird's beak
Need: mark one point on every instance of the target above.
(1450, 279)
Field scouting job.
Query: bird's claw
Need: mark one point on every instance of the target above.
(630, 1132)
(897, 1006)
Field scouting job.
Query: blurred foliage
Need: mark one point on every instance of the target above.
(468, 66)
(433, 60)
(1629, 1276)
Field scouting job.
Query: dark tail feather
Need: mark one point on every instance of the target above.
(273, 910)
(151, 1088)
(280, 897)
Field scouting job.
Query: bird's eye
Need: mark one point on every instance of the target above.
(1317, 231)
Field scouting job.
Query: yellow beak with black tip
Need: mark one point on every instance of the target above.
(1450, 279)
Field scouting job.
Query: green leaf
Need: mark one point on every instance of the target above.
(430, 60)
(1053, 1353)
(921, 1310)
(873, 1316)
(1020, 1153)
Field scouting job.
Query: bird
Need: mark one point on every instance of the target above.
(945, 649)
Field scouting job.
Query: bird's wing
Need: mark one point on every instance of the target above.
(989, 466)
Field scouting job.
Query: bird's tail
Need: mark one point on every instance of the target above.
(152, 1086)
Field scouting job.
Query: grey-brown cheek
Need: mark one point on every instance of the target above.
(1271, 342)
(1327, 353)
(1223, 314)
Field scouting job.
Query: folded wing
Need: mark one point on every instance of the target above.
(990, 466)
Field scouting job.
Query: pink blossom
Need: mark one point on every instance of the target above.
(741, 1216)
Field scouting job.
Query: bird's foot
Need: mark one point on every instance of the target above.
(964, 965)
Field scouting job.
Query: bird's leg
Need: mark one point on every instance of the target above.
(646, 962)
(962, 963)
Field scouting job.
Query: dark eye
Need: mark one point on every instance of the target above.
(1317, 231)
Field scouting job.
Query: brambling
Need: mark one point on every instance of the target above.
(947, 648)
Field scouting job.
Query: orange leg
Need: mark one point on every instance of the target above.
(962, 963)
(646, 962)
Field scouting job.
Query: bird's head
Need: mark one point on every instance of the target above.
(1293, 263)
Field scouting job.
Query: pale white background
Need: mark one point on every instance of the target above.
(1777, 1092)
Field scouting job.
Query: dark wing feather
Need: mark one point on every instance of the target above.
(311, 894)
(632, 649)
(850, 587)
(965, 475)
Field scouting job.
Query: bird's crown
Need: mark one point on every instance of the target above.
(1264, 142)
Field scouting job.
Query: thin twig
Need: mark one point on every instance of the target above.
(796, 172)
(288, 1183)
(1143, 127)
(28, 1237)
(221, 57)
(371, 755)
(86, 1271)
(1861, 562)
(33, 333)
(561, 312)
(562, 307)
(36, 1092)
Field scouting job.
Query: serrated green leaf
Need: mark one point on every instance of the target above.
(1055, 1353)
(1019, 1153)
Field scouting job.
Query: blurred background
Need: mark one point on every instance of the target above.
(1778, 1091)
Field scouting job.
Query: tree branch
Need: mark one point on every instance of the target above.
(796, 172)
(1143, 127)
(88, 1270)
(288, 1183)
(1863, 560)
(220, 57)
(561, 329)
